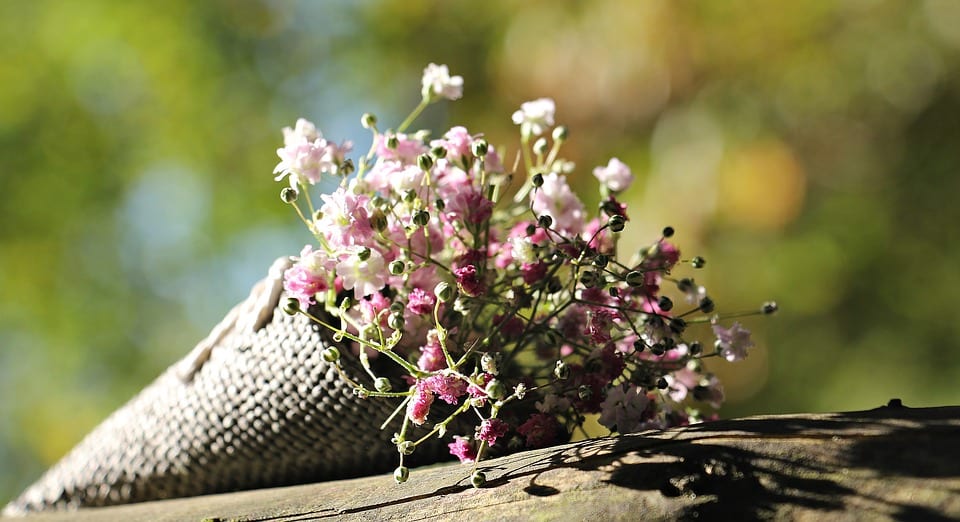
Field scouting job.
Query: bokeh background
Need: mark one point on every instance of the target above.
(809, 150)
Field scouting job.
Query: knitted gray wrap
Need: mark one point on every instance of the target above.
(253, 405)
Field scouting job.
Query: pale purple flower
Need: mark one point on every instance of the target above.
(534, 117)
(437, 83)
(616, 175)
(492, 429)
(553, 403)
(625, 409)
(305, 155)
(364, 276)
(309, 275)
(462, 449)
(733, 342)
(555, 199)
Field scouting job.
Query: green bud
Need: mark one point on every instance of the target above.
(368, 121)
(634, 278)
(443, 291)
(770, 307)
(560, 133)
(392, 142)
(425, 162)
(480, 148)
(396, 321)
(478, 479)
(706, 305)
(490, 363)
(545, 221)
(617, 223)
(401, 474)
(561, 371)
(364, 253)
(382, 384)
(330, 354)
(421, 218)
(438, 152)
(292, 306)
(406, 447)
(496, 390)
(537, 180)
(698, 262)
(439, 203)
(397, 267)
(288, 195)
(346, 168)
(540, 146)
(378, 220)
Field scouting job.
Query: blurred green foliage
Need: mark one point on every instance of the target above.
(807, 149)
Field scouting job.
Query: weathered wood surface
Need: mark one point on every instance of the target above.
(891, 463)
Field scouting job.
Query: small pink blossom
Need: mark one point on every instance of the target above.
(492, 429)
(733, 342)
(541, 430)
(419, 406)
(448, 387)
(462, 449)
(431, 354)
(468, 281)
(437, 82)
(534, 117)
(406, 151)
(599, 322)
(309, 275)
(420, 301)
(616, 175)
(457, 142)
(345, 219)
(364, 276)
(533, 272)
(469, 206)
(305, 155)
(555, 199)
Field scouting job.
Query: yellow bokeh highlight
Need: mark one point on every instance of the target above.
(761, 186)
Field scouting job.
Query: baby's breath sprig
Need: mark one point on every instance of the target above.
(518, 309)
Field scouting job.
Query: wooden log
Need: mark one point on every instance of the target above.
(893, 463)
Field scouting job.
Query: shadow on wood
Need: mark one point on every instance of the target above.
(892, 462)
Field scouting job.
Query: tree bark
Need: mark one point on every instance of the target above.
(893, 463)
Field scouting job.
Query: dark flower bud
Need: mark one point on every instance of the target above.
(346, 168)
(601, 260)
(288, 195)
(396, 321)
(696, 348)
(478, 479)
(292, 306)
(425, 162)
(545, 221)
(561, 371)
(406, 447)
(665, 303)
(440, 204)
(443, 291)
(584, 392)
(368, 121)
(617, 223)
(698, 262)
(770, 307)
(401, 474)
(634, 278)
(686, 285)
(392, 142)
(364, 253)
(662, 383)
(438, 152)
(537, 180)
(639, 345)
(397, 267)
(330, 354)
(421, 218)
(480, 148)
(378, 220)
(706, 305)
(668, 232)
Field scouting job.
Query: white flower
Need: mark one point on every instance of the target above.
(364, 276)
(437, 82)
(523, 250)
(535, 116)
(732, 343)
(616, 175)
(624, 409)
(305, 155)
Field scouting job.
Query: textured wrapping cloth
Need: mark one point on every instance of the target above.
(254, 405)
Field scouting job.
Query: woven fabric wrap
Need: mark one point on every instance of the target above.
(255, 407)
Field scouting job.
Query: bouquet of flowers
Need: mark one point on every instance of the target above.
(491, 288)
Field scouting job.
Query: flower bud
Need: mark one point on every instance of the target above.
(421, 218)
(520, 391)
(382, 384)
(396, 321)
(364, 253)
(439, 204)
(584, 392)
(406, 447)
(668, 232)
(401, 474)
(443, 291)
(480, 148)
(378, 220)
(537, 180)
(696, 348)
(438, 152)
(770, 307)
(560, 133)
(634, 278)
(346, 168)
(540, 146)
(496, 390)
(616, 223)
(698, 262)
(490, 363)
(706, 305)
(686, 285)
(292, 306)
(478, 479)
(545, 221)
(601, 260)
(368, 120)
(330, 354)
(392, 142)
(639, 345)
(425, 162)
(662, 383)
(561, 371)
(288, 195)
(665, 303)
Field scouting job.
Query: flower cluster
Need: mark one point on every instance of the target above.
(512, 303)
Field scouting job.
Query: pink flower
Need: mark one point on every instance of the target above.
(733, 342)
(533, 272)
(457, 142)
(663, 257)
(616, 176)
(462, 449)
(437, 82)
(364, 276)
(555, 199)
(448, 387)
(468, 281)
(431, 354)
(420, 301)
(469, 206)
(479, 391)
(492, 429)
(345, 220)
(406, 151)
(599, 322)
(306, 155)
(541, 430)
(419, 406)
(534, 117)
(626, 409)
(309, 275)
